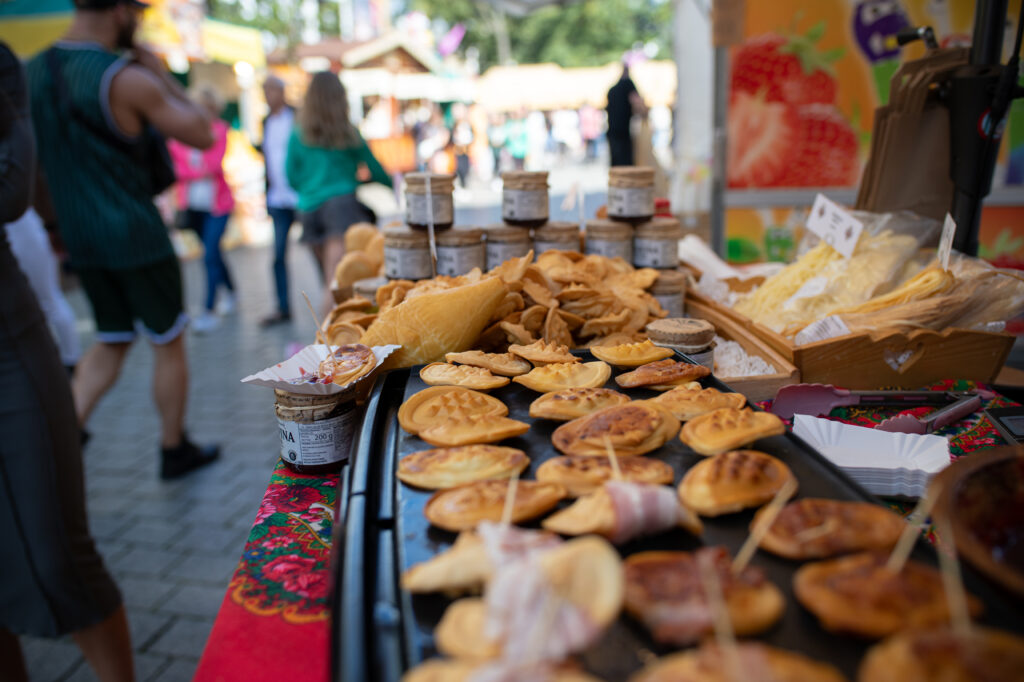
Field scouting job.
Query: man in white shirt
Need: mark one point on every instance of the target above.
(281, 198)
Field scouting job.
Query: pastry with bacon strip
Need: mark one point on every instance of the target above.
(456, 670)
(941, 654)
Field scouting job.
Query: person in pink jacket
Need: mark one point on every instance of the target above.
(206, 201)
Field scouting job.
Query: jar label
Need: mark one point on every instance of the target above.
(611, 248)
(453, 261)
(499, 252)
(407, 263)
(524, 204)
(323, 442)
(655, 253)
(416, 208)
(630, 202)
(672, 303)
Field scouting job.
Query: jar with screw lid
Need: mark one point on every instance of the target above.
(428, 196)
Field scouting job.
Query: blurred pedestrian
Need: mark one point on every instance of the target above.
(326, 155)
(205, 198)
(623, 102)
(517, 139)
(590, 129)
(281, 198)
(496, 138)
(54, 581)
(462, 139)
(97, 115)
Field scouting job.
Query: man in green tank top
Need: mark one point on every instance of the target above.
(94, 94)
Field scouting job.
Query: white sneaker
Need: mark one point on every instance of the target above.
(228, 303)
(204, 323)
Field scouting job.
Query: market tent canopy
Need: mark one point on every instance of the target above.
(229, 43)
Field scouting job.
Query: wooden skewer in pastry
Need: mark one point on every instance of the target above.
(952, 581)
(616, 471)
(901, 552)
(316, 321)
(724, 634)
(746, 552)
(510, 500)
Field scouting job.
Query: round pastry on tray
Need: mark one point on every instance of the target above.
(448, 467)
(502, 364)
(570, 403)
(859, 595)
(562, 375)
(942, 654)
(690, 400)
(582, 475)
(662, 375)
(457, 670)
(814, 528)
(542, 353)
(444, 374)
(438, 404)
(463, 507)
(635, 428)
(631, 354)
(729, 428)
(711, 663)
(733, 481)
(461, 631)
(472, 430)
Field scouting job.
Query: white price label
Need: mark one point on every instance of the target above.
(822, 330)
(834, 225)
(946, 241)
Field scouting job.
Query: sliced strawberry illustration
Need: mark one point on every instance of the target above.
(762, 136)
(788, 69)
(825, 154)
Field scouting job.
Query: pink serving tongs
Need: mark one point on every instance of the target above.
(908, 423)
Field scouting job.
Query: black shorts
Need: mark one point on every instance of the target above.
(150, 295)
(333, 218)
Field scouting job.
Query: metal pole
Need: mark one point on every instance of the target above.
(987, 41)
(719, 150)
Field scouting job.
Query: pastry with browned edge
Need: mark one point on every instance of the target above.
(624, 510)
(814, 528)
(444, 374)
(570, 403)
(665, 592)
(502, 364)
(859, 595)
(940, 654)
(729, 428)
(460, 670)
(582, 475)
(542, 353)
(472, 429)
(733, 481)
(463, 507)
(559, 376)
(448, 467)
(662, 375)
(632, 429)
(347, 364)
(438, 404)
(631, 354)
(711, 663)
(690, 400)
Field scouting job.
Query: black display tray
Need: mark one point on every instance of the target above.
(380, 631)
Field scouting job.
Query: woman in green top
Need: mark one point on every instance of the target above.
(326, 160)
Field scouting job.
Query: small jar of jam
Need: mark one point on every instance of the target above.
(316, 430)
(524, 198)
(656, 244)
(669, 290)
(631, 193)
(428, 197)
(407, 254)
(610, 239)
(459, 251)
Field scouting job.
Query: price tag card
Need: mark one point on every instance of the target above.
(834, 225)
(828, 328)
(946, 241)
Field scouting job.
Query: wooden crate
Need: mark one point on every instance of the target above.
(883, 359)
(756, 388)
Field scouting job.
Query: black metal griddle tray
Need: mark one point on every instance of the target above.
(380, 632)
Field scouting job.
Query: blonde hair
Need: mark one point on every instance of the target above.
(208, 97)
(324, 117)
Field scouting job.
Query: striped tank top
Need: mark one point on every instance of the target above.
(100, 193)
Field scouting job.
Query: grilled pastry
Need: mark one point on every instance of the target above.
(729, 428)
(463, 507)
(348, 363)
(710, 663)
(665, 592)
(633, 429)
(631, 354)
(571, 403)
(502, 364)
(438, 404)
(472, 430)
(690, 400)
(662, 375)
(542, 353)
(461, 632)
(449, 467)
(457, 670)
(857, 594)
(814, 528)
(562, 375)
(444, 374)
(622, 511)
(582, 475)
(733, 481)
(941, 654)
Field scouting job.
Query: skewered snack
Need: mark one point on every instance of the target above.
(582, 475)
(711, 663)
(456, 670)
(472, 430)
(733, 481)
(562, 375)
(941, 654)
(814, 528)
(633, 429)
(631, 354)
(448, 467)
(622, 511)
(462, 631)
(858, 594)
(570, 403)
(444, 374)
(690, 400)
(463, 507)
(664, 591)
(347, 364)
(438, 404)
(662, 375)
(542, 353)
(473, 558)
(502, 364)
(729, 428)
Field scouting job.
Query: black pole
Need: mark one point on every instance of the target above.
(987, 41)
